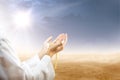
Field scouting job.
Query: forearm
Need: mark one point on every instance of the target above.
(42, 53)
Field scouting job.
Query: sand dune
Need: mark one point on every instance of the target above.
(88, 67)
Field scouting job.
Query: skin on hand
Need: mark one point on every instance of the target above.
(57, 45)
(52, 47)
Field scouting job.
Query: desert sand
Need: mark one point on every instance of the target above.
(88, 67)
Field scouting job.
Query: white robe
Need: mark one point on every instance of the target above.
(34, 69)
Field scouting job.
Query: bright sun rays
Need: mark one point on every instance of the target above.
(22, 19)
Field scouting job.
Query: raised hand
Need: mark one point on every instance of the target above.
(57, 45)
(52, 47)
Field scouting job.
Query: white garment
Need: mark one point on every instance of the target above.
(34, 69)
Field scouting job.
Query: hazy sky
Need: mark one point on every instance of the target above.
(92, 25)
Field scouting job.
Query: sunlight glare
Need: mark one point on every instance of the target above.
(22, 19)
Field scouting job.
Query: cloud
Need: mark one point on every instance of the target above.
(91, 22)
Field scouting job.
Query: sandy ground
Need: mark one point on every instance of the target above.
(88, 67)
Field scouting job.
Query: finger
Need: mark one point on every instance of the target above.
(47, 42)
(62, 39)
(65, 40)
(49, 39)
(57, 45)
(61, 36)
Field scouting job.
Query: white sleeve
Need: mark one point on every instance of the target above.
(37, 69)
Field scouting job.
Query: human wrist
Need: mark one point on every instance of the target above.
(49, 54)
(41, 54)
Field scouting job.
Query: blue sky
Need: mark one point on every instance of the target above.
(92, 25)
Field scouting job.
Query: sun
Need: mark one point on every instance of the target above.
(22, 19)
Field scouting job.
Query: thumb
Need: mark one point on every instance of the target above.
(47, 41)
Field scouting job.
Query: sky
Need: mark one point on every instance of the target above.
(93, 26)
